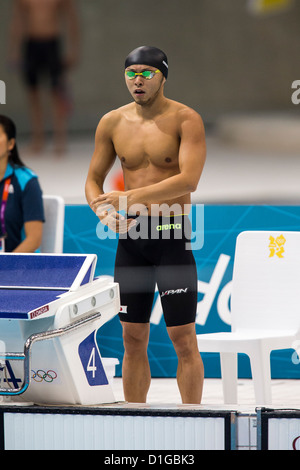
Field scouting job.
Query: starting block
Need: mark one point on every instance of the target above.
(51, 308)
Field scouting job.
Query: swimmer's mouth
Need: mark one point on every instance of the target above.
(139, 92)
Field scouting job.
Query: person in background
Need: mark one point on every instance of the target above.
(36, 46)
(21, 204)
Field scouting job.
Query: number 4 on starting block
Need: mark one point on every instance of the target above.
(91, 361)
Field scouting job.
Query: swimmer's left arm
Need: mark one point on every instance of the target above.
(192, 155)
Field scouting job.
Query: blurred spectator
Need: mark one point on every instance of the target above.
(21, 204)
(36, 47)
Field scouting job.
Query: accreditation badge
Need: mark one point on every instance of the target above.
(2, 245)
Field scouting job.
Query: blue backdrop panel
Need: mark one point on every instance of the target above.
(214, 261)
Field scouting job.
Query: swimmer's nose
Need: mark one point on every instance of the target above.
(139, 80)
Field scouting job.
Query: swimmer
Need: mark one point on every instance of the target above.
(36, 47)
(161, 147)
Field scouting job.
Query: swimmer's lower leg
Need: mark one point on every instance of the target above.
(135, 369)
(136, 378)
(190, 379)
(190, 370)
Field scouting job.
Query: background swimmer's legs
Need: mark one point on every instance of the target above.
(59, 122)
(37, 120)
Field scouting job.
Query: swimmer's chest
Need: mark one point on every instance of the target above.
(137, 144)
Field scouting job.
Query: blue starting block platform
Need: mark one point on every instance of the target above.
(51, 308)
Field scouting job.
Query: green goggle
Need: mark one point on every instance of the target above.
(147, 74)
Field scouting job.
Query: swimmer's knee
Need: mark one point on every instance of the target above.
(135, 336)
(183, 339)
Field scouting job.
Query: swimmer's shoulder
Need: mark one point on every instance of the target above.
(184, 113)
(110, 120)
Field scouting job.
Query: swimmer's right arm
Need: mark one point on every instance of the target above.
(102, 161)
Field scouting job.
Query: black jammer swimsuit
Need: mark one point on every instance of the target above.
(155, 252)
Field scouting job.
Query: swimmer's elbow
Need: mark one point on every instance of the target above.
(190, 184)
(192, 177)
(193, 186)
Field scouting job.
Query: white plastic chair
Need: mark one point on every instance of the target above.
(53, 230)
(265, 309)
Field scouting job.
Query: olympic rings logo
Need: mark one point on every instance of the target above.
(40, 375)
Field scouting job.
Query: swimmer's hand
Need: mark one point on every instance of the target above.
(112, 200)
(120, 200)
(116, 222)
(112, 219)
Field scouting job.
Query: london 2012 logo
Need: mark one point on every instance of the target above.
(2, 92)
(276, 246)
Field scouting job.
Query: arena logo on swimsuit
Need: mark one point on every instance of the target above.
(2, 92)
(168, 227)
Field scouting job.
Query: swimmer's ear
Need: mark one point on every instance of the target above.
(163, 81)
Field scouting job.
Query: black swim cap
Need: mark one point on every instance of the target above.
(148, 56)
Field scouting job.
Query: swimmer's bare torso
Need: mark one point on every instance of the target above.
(149, 151)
